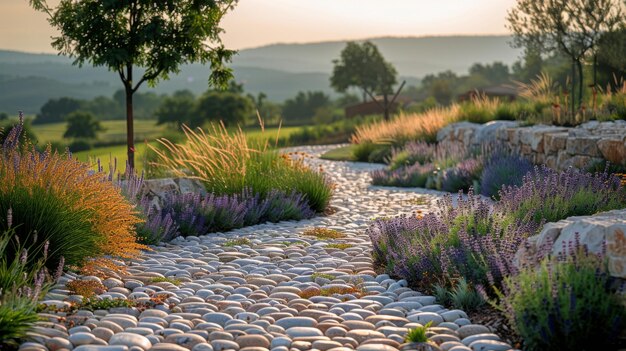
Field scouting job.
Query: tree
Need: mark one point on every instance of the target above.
(3, 116)
(364, 67)
(303, 106)
(177, 109)
(82, 124)
(572, 27)
(156, 35)
(56, 110)
(226, 106)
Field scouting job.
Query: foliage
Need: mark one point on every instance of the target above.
(82, 124)
(548, 195)
(408, 176)
(23, 280)
(503, 170)
(407, 127)
(328, 133)
(339, 246)
(66, 204)
(157, 36)
(85, 288)
(469, 240)
(418, 334)
(364, 67)
(56, 110)
(316, 275)
(465, 297)
(371, 152)
(238, 242)
(195, 214)
(324, 233)
(26, 135)
(462, 176)
(564, 304)
(411, 153)
(229, 107)
(303, 107)
(227, 164)
(571, 27)
(177, 109)
(176, 282)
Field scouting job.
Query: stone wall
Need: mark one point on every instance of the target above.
(557, 147)
(602, 231)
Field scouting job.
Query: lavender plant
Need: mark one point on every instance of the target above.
(411, 176)
(412, 153)
(548, 195)
(500, 170)
(463, 176)
(567, 303)
(195, 214)
(469, 240)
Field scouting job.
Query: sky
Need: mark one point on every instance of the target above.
(260, 22)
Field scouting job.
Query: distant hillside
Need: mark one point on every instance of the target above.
(280, 71)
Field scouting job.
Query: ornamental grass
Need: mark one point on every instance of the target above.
(229, 165)
(56, 199)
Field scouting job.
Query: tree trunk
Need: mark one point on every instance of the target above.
(386, 106)
(581, 83)
(573, 91)
(130, 134)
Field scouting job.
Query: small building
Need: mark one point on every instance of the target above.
(504, 92)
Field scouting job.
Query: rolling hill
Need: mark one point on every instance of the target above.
(27, 80)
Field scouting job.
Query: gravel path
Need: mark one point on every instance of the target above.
(248, 297)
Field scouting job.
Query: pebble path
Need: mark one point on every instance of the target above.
(247, 297)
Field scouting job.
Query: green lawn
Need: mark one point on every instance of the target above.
(344, 153)
(114, 130)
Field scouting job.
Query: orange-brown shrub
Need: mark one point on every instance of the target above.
(59, 200)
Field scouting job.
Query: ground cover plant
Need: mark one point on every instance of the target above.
(228, 164)
(548, 195)
(469, 240)
(55, 199)
(567, 303)
(502, 169)
(23, 281)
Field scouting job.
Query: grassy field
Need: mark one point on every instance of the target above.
(114, 130)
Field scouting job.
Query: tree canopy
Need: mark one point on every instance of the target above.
(155, 35)
(81, 124)
(364, 67)
(570, 27)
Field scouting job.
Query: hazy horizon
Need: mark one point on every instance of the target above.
(300, 22)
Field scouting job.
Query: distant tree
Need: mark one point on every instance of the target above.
(3, 116)
(495, 73)
(157, 35)
(571, 27)
(178, 109)
(303, 106)
(612, 49)
(346, 100)
(104, 108)
(364, 67)
(56, 110)
(82, 125)
(529, 67)
(228, 107)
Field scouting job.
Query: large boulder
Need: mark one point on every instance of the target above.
(601, 231)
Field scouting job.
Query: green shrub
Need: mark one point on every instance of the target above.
(363, 151)
(418, 334)
(23, 281)
(79, 145)
(564, 305)
(465, 297)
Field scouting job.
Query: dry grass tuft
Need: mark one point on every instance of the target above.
(340, 246)
(422, 126)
